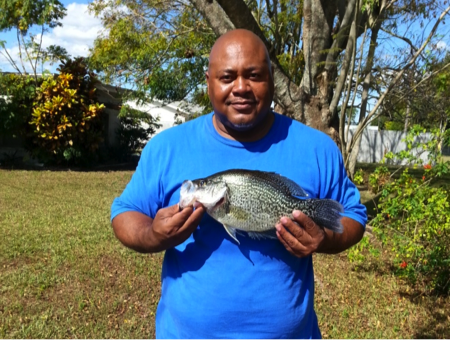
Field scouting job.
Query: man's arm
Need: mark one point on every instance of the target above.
(305, 237)
(169, 228)
(334, 243)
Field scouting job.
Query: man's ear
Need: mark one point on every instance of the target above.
(207, 80)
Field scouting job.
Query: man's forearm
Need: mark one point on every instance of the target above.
(335, 243)
(133, 229)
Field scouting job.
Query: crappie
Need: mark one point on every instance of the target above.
(254, 201)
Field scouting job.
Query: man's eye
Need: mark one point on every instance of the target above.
(254, 75)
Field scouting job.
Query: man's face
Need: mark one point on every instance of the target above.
(240, 84)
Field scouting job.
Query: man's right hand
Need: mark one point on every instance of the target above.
(169, 228)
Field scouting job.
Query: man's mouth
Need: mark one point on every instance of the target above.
(243, 105)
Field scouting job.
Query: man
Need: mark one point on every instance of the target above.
(212, 287)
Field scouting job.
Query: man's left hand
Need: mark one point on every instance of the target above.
(301, 236)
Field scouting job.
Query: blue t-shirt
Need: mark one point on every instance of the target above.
(212, 287)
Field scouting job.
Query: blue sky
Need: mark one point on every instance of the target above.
(76, 35)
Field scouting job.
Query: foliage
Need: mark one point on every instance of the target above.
(157, 58)
(422, 96)
(22, 16)
(16, 102)
(394, 125)
(358, 178)
(281, 22)
(413, 219)
(67, 120)
(378, 178)
(134, 131)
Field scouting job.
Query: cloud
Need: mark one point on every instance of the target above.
(77, 34)
(442, 45)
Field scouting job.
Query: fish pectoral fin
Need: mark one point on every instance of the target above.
(232, 232)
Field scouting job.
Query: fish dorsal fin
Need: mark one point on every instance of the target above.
(280, 182)
(294, 188)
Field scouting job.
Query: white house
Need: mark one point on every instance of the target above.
(168, 113)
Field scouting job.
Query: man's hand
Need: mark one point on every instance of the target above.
(300, 239)
(302, 236)
(169, 228)
(172, 227)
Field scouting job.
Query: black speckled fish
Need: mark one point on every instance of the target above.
(254, 202)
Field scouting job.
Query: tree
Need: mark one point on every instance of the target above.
(323, 52)
(22, 16)
(19, 90)
(421, 97)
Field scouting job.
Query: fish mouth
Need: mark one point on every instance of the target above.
(218, 204)
(187, 194)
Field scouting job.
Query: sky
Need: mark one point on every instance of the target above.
(76, 35)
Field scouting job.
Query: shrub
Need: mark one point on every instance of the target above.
(379, 178)
(135, 130)
(358, 177)
(66, 118)
(413, 220)
(394, 126)
(17, 94)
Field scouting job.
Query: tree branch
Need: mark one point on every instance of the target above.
(349, 51)
(20, 52)
(405, 39)
(341, 35)
(373, 114)
(11, 61)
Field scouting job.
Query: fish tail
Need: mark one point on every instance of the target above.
(326, 213)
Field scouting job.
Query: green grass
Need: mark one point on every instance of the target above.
(64, 275)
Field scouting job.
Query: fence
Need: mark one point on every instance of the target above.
(376, 143)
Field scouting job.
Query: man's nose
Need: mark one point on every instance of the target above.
(241, 85)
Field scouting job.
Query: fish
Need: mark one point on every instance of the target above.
(253, 201)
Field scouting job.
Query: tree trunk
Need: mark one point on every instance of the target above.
(317, 79)
(408, 110)
(353, 146)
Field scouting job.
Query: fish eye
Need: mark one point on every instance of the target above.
(202, 183)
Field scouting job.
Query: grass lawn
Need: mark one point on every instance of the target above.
(64, 275)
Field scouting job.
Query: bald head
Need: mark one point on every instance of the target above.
(237, 39)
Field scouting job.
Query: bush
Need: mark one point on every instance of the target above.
(394, 126)
(66, 119)
(358, 178)
(413, 220)
(135, 130)
(379, 178)
(17, 94)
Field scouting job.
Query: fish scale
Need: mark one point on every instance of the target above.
(254, 201)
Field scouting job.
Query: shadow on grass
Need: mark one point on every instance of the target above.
(126, 166)
(437, 325)
(374, 267)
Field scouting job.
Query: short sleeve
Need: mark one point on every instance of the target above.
(143, 192)
(336, 185)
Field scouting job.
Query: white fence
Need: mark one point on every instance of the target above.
(376, 143)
